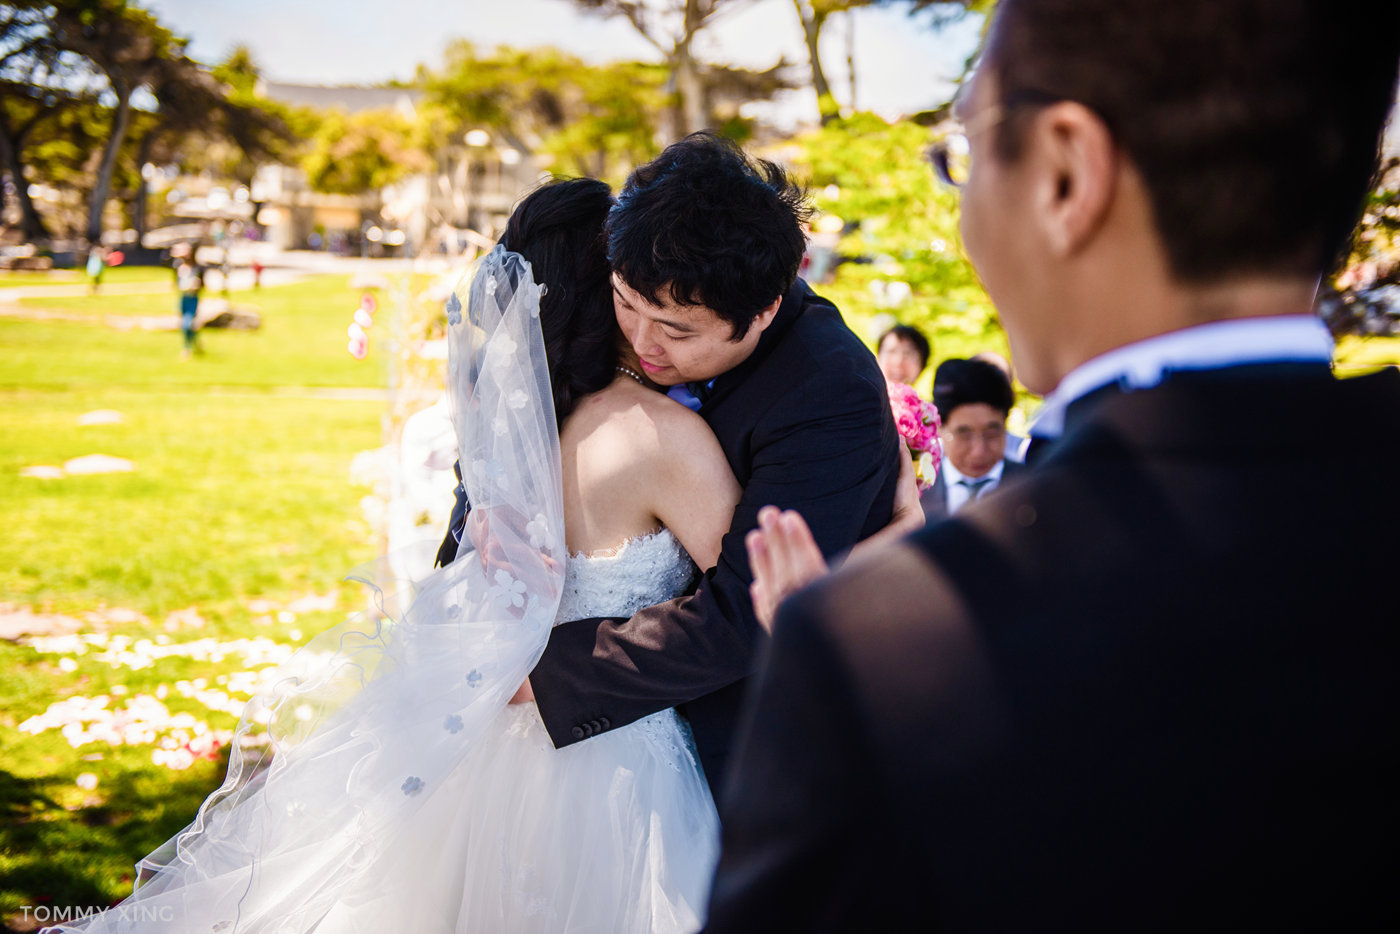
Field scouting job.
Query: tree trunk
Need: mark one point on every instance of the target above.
(138, 204)
(851, 54)
(693, 110)
(120, 118)
(30, 223)
(691, 93)
(812, 23)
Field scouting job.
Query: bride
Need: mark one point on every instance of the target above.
(403, 792)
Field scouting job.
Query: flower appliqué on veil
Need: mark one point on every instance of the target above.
(453, 724)
(508, 590)
(538, 530)
(504, 348)
(473, 678)
(454, 309)
(412, 785)
(492, 470)
(518, 399)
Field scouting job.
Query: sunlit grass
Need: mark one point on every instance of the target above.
(15, 278)
(239, 503)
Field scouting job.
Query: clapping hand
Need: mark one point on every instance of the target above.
(784, 557)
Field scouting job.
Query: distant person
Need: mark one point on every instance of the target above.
(973, 398)
(1015, 444)
(96, 265)
(902, 353)
(189, 283)
(1151, 685)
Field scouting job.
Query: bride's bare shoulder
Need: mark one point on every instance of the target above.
(645, 418)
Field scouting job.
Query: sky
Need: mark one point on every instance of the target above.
(902, 65)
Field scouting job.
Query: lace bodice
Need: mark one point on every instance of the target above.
(641, 571)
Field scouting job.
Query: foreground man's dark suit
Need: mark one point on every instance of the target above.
(805, 424)
(1151, 686)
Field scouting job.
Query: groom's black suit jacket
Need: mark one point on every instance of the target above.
(1153, 685)
(805, 424)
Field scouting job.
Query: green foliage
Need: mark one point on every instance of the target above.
(901, 226)
(240, 73)
(616, 126)
(597, 120)
(354, 153)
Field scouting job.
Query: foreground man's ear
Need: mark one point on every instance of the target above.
(1077, 164)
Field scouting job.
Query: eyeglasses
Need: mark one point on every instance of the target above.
(992, 437)
(950, 156)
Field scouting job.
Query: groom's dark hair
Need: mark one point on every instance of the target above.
(711, 226)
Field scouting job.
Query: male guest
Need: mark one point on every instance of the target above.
(1151, 685)
(902, 353)
(973, 399)
(705, 244)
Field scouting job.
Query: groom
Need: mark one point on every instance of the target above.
(1152, 685)
(705, 244)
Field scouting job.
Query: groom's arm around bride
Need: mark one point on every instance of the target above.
(705, 245)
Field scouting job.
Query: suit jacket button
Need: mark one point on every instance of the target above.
(578, 732)
(606, 724)
(597, 727)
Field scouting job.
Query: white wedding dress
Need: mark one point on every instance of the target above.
(612, 835)
(397, 790)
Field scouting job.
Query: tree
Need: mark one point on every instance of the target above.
(201, 117)
(899, 226)
(671, 27)
(130, 48)
(362, 152)
(813, 15)
(37, 82)
(597, 120)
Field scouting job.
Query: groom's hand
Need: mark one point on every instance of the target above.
(784, 557)
(500, 537)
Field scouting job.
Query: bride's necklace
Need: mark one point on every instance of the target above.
(630, 372)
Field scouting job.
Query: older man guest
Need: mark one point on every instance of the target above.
(973, 399)
(1152, 684)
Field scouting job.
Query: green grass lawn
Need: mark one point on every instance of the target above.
(14, 278)
(239, 505)
(301, 343)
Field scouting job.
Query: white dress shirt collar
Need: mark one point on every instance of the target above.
(1276, 339)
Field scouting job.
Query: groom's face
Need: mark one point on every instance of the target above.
(678, 343)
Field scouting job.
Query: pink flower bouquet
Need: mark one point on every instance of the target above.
(918, 424)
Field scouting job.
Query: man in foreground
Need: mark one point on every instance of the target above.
(1151, 686)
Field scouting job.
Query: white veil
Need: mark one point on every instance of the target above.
(370, 716)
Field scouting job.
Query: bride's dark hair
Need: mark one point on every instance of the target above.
(559, 229)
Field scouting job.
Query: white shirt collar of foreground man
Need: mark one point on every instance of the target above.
(1142, 365)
